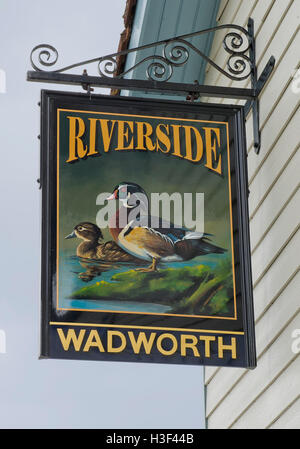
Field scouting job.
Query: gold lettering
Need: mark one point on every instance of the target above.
(163, 138)
(142, 341)
(188, 144)
(144, 131)
(191, 345)
(222, 347)
(71, 337)
(123, 134)
(138, 135)
(211, 150)
(110, 347)
(176, 140)
(106, 134)
(207, 339)
(165, 351)
(92, 147)
(75, 141)
(93, 340)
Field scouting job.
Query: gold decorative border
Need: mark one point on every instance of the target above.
(57, 232)
(129, 326)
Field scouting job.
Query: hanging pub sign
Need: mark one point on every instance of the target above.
(145, 236)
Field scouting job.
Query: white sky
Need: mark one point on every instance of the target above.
(61, 393)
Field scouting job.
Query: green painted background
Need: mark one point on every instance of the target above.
(82, 181)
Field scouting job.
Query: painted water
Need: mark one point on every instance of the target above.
(76, 273)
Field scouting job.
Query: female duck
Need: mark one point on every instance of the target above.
(91, 248)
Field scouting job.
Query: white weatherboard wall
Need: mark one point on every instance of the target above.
(267, 397)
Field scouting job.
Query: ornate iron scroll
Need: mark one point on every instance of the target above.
(174, 52)
(166, 56)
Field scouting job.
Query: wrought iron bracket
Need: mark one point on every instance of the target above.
(167, 56)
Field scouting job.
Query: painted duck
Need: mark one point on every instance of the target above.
(163, 242)
(92, 248)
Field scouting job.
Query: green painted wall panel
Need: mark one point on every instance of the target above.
(161, 19)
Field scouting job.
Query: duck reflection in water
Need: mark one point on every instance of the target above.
(96, 256)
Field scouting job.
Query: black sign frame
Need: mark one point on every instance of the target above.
(216, 342)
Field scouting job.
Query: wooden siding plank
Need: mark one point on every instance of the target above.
(278, 276)
(285, 52)
(281, 77)
(274, 165)
(278, 156)
(209, 372)
(222, 7)
(275, 399)
(260, 13)
(220, 386)
(276, 317)
(267, 328)
(269, 368)
(279, 234)
(283, 13)
(286, 61)
(253, 399)
(277, 30)
(273, 129)
(290, 419)
(275, 201)
(276, 279)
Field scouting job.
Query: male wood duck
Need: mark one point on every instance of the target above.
(163, 242)
(91, 248)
